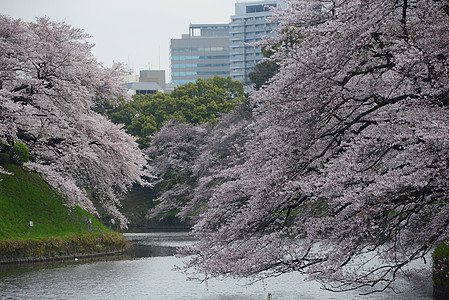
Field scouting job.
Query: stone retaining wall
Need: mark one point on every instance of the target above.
(13, 263)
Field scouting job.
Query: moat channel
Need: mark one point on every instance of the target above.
(149, 274)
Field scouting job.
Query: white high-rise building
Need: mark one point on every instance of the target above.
(248, 25)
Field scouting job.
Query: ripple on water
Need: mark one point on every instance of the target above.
(154, 278)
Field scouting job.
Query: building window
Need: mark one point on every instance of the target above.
(146, 92)
(182, 66)
(200, 73)
(207, 49)
(199, 57)
(182, 81)
(258, 8)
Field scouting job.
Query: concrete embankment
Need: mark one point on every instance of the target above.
(7, 264)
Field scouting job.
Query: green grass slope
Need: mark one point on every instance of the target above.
(25, 197)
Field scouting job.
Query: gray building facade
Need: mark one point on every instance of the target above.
(248, 25)
(203, 53)
(149, 83)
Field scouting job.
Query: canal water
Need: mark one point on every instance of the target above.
(150, 275)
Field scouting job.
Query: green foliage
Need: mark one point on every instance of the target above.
(137, 203)
(196, 103)
(4, 159)
(20, 153)
(440, 274)
(263, 72)
(26, 197)
(442, 251)
(4, 148)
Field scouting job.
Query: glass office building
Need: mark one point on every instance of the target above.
(223, 49)
(203, 53)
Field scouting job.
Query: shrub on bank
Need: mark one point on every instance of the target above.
(20, 154)
(440, 274)
(91, 243)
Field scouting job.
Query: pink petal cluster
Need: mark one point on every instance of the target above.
(345, 176)
(49, 84)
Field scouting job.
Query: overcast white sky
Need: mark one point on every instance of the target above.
(135, 32)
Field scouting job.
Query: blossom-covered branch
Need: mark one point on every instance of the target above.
(345, 176)
(49, 83)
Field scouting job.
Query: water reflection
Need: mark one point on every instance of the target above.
(156, 244)
(150, 276)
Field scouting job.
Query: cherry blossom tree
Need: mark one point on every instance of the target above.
(189, 158)
(49, 83)
(173, 152)
(345, 178)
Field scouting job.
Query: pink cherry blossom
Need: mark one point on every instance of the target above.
(49, 84)
(345, 176)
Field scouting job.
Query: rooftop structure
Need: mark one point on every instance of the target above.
(149, 83)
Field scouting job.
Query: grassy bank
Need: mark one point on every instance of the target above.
(441, 271)
(32, 249)
(57, 230)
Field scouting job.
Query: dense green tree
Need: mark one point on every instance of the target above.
(195, 103)
(264, 70)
